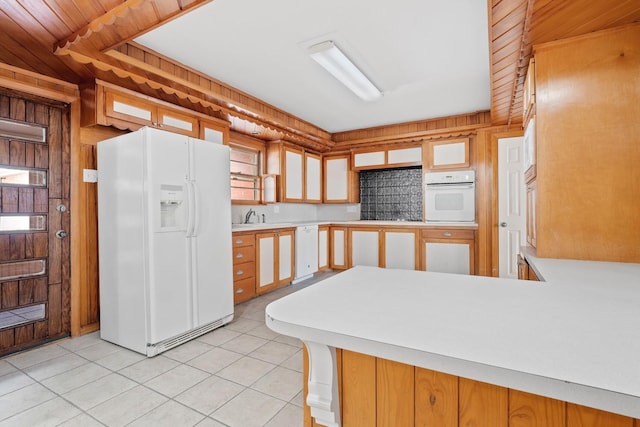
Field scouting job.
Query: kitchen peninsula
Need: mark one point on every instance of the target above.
(564, 338)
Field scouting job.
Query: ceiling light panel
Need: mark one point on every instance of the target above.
(332, 59)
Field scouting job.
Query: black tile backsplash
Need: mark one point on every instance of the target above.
(391, 194)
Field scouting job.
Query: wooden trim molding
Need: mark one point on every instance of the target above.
(37, 84)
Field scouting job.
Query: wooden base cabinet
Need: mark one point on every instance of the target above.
(525, 272)
(339, 247)
(244, 267)
(448, 250)
(274, 259)
(384, 247)
(323, 247)
(380, 392)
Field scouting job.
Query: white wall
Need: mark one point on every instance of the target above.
(289, 212)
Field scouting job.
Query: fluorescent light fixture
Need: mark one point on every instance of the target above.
(334, 61)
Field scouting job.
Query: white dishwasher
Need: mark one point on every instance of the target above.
(306, 252)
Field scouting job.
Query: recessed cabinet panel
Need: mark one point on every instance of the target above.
(364, 248)
(399, 249)
(313, 174)
(285, 249)
(212, 135)
(131, 110)
(338, 245)
(369, 159)
(405, 155)
(171, 120)
(448, 154)
(266, 250)
(293, 175)
(323, 248)
(336, 179)
(447, 257)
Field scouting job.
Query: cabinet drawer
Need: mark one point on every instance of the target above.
(243, 254)
(244, 270)
(244, 289)
(243, 240)
(448, 234)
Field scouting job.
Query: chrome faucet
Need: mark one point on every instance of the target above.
(247, 217)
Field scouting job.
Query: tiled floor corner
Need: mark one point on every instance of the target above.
(241, 375)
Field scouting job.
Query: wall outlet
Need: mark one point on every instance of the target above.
(351, 209)
(90, 175)
(276, 209)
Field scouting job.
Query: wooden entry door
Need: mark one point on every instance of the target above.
(34, 221)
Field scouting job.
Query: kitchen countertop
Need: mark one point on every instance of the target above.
(290, 224)
(574, 337)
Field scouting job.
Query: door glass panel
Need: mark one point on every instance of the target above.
(17, 316)
(20, 269)
(36, 178)
(23, 222)
(19, 130)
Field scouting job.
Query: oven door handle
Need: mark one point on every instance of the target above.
(450, 186)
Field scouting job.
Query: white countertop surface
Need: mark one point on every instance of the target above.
(574, 337)
(289, 224)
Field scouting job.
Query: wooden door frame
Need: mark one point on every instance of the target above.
(495, 240)
(58, 90)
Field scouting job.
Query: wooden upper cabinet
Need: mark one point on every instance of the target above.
(586, 199)
(449, 154)
(341, 184)
(106, 104)
(529, 91)
(299, 171)
(292, 171)
(214, 132)
(174, 121)
(386, 158)
(313, 178)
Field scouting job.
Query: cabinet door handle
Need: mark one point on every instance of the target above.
(238, 242)
(239, 272)
(239, 291)
(446, 234)
(239, 256)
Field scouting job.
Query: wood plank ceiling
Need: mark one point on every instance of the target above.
(79, 41)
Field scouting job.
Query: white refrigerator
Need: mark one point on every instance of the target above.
(164, 224)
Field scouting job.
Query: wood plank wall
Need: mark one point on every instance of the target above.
(377, 392)
(89, 307)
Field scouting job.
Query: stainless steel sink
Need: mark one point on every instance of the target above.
(261, 225)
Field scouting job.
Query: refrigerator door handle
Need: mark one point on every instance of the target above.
(196, 207)
(190, 214)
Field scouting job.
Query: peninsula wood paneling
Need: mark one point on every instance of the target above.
(383, 393)
(436, 399)
(358, 390)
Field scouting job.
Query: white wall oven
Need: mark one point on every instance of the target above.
(450, 196)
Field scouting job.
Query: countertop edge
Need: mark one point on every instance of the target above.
(615, 402)
(237, 228)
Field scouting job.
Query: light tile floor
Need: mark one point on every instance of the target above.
(241, 375)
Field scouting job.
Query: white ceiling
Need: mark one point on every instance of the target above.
(429, 57)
